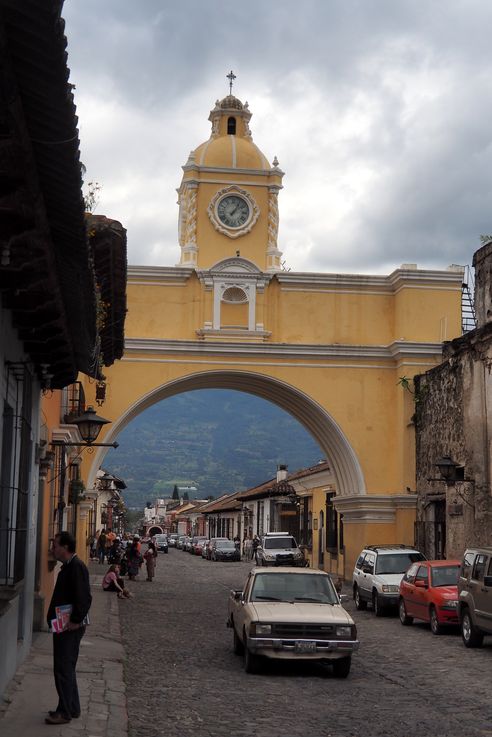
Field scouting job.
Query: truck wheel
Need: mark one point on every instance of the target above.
(360, 604)
(341, 667)
(471, 636)
(251, 660)
(238, 646)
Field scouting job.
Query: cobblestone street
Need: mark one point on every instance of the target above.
(184, 680)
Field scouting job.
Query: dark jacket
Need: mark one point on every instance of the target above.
(72, 587)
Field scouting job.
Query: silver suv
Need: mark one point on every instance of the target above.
(475, 596)
(279, 549)
(377, 575)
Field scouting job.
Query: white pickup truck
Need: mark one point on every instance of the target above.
(291, 613)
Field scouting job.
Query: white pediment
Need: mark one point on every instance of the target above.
(235, 265)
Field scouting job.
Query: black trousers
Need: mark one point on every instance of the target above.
(65, 653)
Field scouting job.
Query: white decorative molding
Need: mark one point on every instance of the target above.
(373, 508)
(254, 212)
(350, 353)
(187, 224)
(235, 264)
(226, 334)
(272, 220)
(159, 275)
(371, 284)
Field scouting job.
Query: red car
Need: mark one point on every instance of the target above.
(429, 591)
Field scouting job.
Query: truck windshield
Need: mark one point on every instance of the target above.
(279, 543)
(292, 587)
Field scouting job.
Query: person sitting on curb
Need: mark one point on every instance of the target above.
(113, 582)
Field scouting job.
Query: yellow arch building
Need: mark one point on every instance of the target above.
(328, 348)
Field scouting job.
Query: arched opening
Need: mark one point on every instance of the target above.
(323, 428)
(231, 126)
(155, 530)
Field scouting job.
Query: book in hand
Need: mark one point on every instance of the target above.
(60, 623)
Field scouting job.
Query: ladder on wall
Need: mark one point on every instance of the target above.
(468, 318)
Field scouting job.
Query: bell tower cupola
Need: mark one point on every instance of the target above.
(228, 195)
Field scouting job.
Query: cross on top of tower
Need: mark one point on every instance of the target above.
(231, 77)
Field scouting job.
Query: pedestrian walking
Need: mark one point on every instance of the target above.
(254, 548)
(101, 547)
(67, 617)
(134, 559)
(150, 557)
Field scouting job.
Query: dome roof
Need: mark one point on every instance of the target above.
(231, 102)
(230, 145)
(231, 152)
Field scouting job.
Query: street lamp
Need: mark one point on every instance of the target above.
(447, 468)
(89, 425)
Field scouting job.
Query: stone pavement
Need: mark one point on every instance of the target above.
(99, 674)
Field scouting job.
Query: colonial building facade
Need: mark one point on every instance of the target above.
(328, 348)
(453, 424)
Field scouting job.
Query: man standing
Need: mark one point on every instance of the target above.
(71, 588)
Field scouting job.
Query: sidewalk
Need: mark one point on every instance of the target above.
(99, 675)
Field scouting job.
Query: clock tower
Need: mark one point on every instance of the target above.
(228, 196)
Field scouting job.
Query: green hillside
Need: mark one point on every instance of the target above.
(222, 441)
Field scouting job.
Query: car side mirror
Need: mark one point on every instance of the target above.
(343, 597)
(421, 584)
(487, 581)
(238, 595)
(367, 569)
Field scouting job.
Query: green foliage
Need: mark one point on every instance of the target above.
(91, 197)
(405, 382)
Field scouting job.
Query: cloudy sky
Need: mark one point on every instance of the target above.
(379, 112)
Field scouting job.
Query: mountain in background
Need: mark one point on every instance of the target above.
(217, 440)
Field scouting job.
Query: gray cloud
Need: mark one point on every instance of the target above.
(378, 111)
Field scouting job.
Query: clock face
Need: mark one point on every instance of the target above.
(233, 211)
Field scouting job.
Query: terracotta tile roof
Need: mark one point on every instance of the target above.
(229, 502)
(271, 488)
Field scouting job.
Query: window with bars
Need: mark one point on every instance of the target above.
(73, 404)
(306, 523)
(331, 524)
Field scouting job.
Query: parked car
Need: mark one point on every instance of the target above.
(180, 542)
(197, 544)
(172, 539)
(377, 575)
(279, 549)
(161, 542)
(291, 613)
(475, 596)
(429, 591)
(210, 544)
(224, 550)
